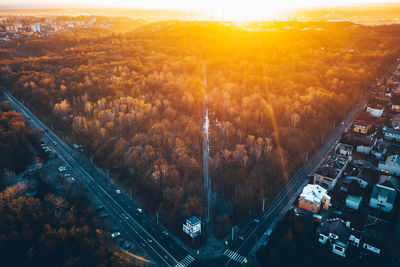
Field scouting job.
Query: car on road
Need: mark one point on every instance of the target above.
(125, 216)
(139, 210)
(54, 143)
(256, 220)
(62, 169)
(118, 191)
(342, 123)
(268, 232)
(165, 234)
(46, 130)
(241, 237)
(115, 234)
(67, 175)
(149, 240)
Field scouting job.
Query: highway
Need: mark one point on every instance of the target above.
(133, 226)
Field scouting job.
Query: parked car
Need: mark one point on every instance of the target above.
(116, 234)
(139, 210)
(118, 191)
(62, 169)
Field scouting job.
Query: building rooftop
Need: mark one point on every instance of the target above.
(193, 220)
(335, 226)
(314, 193)
(364, 140)
(356, 199)
(332, 166)
(375, 106)
(389, 181)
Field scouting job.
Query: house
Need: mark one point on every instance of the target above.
(396, 121)
(364, 144)
(391, 134)
(361, 179)
(360, 126)
(330, 171)
(353, 202)
(313, 198)
(395, 107)
(384, 193)
(391, 165)
(375, 110)
(338, 234)
(372, 238)
(379, 152)
(344, 150)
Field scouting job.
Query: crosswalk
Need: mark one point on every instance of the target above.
(235, 256)
(185, 262)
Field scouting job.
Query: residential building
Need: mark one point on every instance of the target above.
(364, 144)
(353, 202)
(375, 110)
(395, 107)
(192, 226)
(379, 152)
(330, 171)
(373, 235)
(313, 198)
(361, 179)
(391, 165)
(396, 121)
(384, 193)
(344, 150)
(391, 134)
(360, 126)
(338, 234)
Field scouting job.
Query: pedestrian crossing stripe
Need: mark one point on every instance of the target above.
(185, 262)
(235, 256)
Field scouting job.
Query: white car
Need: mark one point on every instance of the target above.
(62, 169)
(116, 234)
(139, 210)
(118, 191)
(67, 175)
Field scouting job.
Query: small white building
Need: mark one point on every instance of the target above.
(375, 110)
(344, 150)
(192, 226)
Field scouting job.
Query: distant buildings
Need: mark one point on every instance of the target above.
(35, 27)
(313, 198)
(329, 172)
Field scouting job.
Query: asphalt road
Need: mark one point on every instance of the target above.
(133, 226)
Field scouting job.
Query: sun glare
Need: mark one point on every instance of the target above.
(229, 9)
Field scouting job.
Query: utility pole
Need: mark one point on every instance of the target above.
(130, 192)
(157, 217)
(263, 204)
(307, 155)
(232, 231)
(107, 174)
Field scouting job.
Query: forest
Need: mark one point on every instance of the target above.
(50, 230)
(135, 102)
(15, 139)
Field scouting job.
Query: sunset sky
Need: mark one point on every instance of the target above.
(228, 8)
